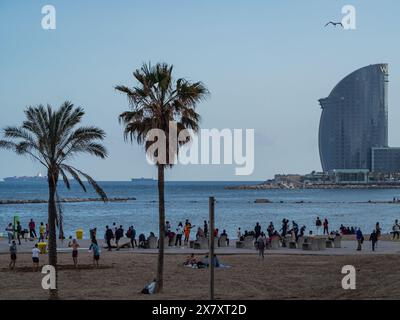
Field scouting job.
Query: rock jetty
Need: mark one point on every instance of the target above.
(66, 200)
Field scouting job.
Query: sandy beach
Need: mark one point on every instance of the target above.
(284, 274)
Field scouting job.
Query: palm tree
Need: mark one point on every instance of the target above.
(155, 102)
(51, 138)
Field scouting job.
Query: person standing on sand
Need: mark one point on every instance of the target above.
(35, 258)
(179, 233)
(360, 239)
(96, 252)
(186, 230)
(318, 224)
(47, 230)
(257, 230)
(42, 231)
(374, 239)
(396, 229)
(19, 232)
(261, 241)
(108, 237)
(10, 232)
(13, 255)
(205, 229)
(326, 226)
(75, 246)
(32, 229)
(119, 234)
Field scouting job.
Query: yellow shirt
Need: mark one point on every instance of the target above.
(42, 229)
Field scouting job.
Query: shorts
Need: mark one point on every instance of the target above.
(13, 256)
(74, 253)
(96, 257)
(35, 260)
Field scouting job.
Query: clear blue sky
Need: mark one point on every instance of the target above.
(266, 64)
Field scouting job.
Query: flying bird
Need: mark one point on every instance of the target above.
(334, 24)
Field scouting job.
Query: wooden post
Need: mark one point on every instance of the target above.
(211, 247)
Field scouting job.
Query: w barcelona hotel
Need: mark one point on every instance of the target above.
(353, 132)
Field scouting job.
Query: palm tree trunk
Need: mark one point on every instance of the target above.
(161, 212)
(52, 216)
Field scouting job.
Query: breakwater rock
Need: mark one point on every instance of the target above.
(66, 200)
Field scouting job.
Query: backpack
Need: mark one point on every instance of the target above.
(129, 233)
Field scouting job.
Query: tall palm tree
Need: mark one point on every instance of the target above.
(51, 138)
(156, 101)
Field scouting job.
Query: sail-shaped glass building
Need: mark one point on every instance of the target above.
(354, 119)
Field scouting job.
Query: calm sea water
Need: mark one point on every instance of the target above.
(189, 200)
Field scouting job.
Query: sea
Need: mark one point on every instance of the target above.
(190, 200)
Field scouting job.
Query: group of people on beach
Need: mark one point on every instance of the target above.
(16, 231)
(114, 234)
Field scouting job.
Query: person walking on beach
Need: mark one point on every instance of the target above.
(396, 229)
(75, 246)
(19, 232)
(94, 247)
(374, 239)
(35, 258)
(360, 239)
(10, 232)
(179, 233)
(42, 231)
(13, 255)
(318, 224)
(260, 242)
(32, 229)
(257, 230)
(108, 237)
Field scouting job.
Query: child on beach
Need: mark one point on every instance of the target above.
(35, 258)
(96, 252)
(13, 254)
(75, 246)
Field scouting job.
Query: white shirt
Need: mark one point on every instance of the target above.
(179, 230)
(35, 253)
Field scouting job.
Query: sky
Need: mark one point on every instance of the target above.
(266, 63)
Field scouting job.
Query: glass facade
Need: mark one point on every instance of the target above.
(386, 160)
(354, 119)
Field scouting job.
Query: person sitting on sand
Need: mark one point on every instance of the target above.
(13, 255)
(190, 261)
(94, 247)
(215, 260)
(75, 246)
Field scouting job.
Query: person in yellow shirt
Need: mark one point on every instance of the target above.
(42, 231)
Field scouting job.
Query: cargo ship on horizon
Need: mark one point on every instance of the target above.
(26, 179)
